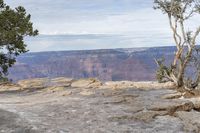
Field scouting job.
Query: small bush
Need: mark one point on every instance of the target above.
(163, 71)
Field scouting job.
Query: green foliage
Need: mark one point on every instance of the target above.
(4, 80)
(163, 71)
(179, 9)
(15, 24)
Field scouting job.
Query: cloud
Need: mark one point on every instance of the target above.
(87, 41)
(80, 16)
(125, 23)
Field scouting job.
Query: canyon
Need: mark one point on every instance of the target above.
(134, 64)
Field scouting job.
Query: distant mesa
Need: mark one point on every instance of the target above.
(136, 64)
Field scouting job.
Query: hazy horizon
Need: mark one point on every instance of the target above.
(100, 24)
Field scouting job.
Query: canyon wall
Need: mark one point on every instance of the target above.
(113, 64)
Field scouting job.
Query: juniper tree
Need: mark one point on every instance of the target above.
(179, 12)
(15, 24)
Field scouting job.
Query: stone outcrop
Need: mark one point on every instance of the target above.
(171, 106)
(41, 83)
(89, 105)
(137, 85)
(173, 95)
(86, 83)
(9, 87)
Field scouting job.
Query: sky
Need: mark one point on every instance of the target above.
(95, 24)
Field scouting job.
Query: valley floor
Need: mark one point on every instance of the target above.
(88, 106)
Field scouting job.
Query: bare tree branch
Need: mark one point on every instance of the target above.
(195, 36)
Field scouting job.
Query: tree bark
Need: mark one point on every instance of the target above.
(180, 78)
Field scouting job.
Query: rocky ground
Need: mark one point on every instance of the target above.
(65, 105)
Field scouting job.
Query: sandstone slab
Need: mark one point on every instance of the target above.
(10, 87)
(41, 83)
(173, 96)
(171, 106)
(34, 83)
(86, 83)
(137, 85)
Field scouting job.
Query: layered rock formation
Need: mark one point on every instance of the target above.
(107, 65)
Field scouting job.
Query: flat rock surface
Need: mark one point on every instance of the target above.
(63, 109)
